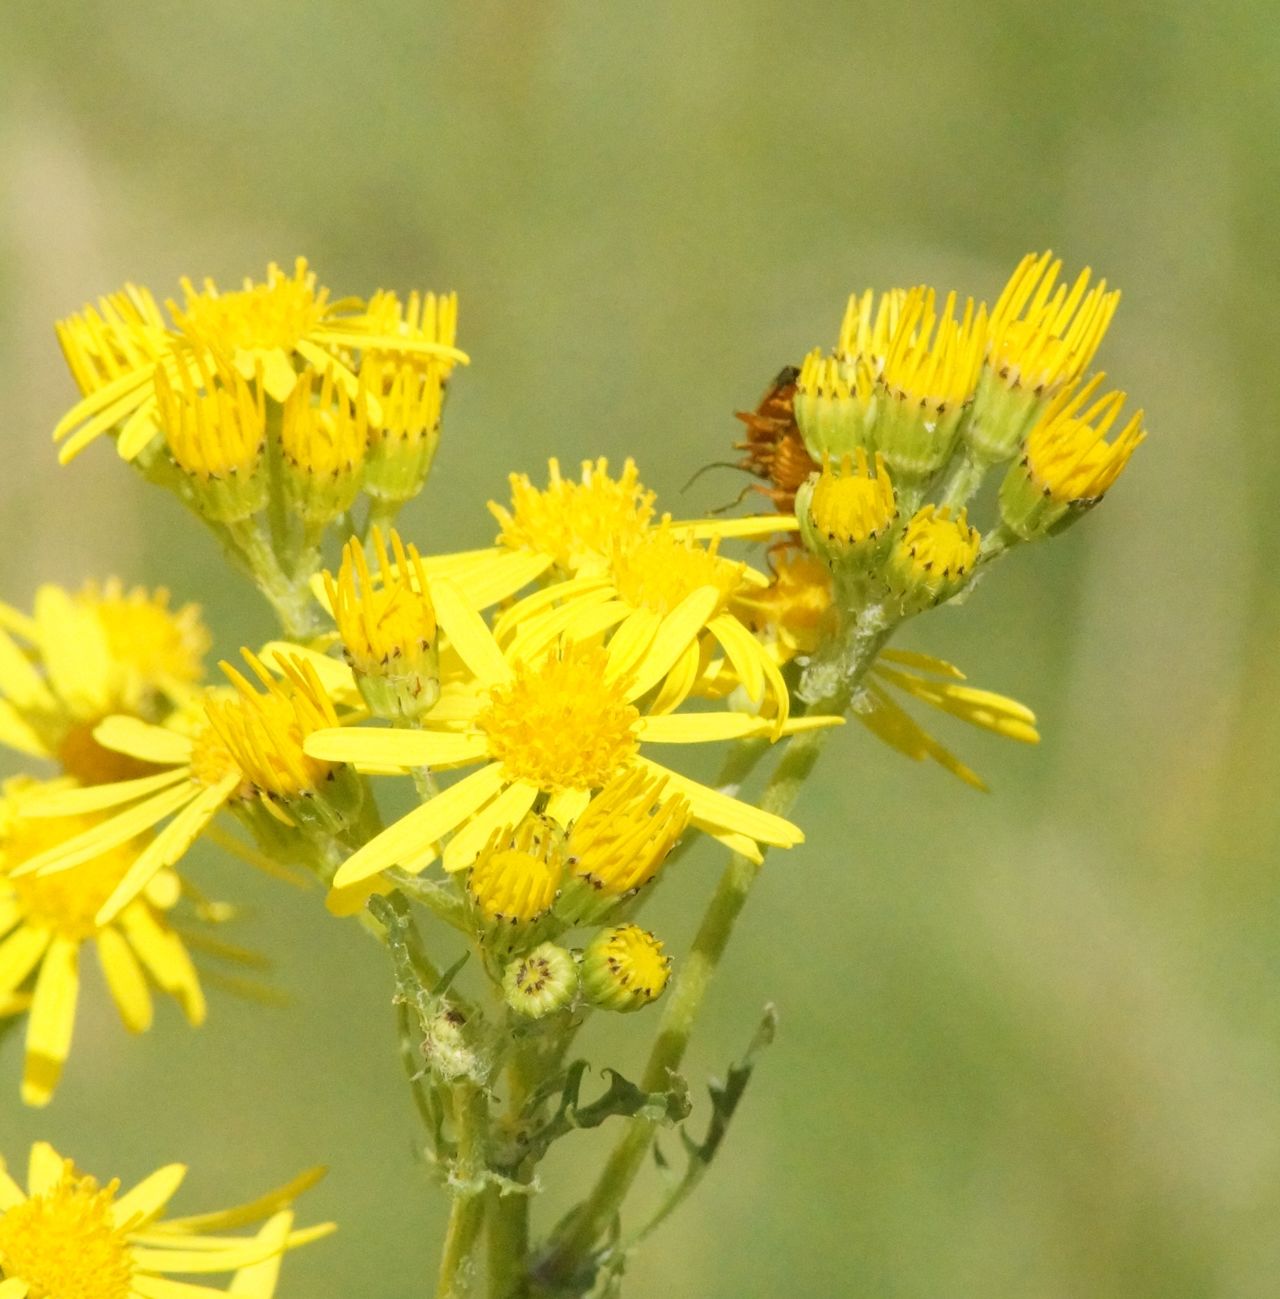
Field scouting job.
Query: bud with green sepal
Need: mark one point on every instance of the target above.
(846, 515)
(933, 560)
(541, 981)
(618, 844)
(1067, 465)
(929, 378)
(1041, 339)
(834, 406)
(624, 969)
(215, 424)
(323, 437)
(388, 627)
(403, 440)
(513, 885)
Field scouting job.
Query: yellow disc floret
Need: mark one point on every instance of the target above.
(562, 723)
(578, 524)
(64, 1244)
(869, 325)
(659, 569)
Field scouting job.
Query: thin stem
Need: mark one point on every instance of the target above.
(683, 1004)
(459, 1262)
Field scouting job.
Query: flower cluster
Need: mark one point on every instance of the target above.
(534, 699)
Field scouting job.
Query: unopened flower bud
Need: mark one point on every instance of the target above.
(624, 969)
(540, 982)
(514, 882)
(933, 560)
(846, 512)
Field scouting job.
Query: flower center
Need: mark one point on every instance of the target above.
(849, 505)
(659, 570)
(64, 901)
(64, 1245)
(561, 724)
(155, 645)
(259, 317)
(577, 523)
(936, 545)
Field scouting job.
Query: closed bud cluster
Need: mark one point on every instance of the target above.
(624, 969)
(541, 981)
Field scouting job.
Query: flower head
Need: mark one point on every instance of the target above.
(70, 1237)
(933, 559)
(83, 656)
(244, 751)
(46, 920)
(515, 880)
(847, 512)
(552, 728)
(324, 435)
(624, 969)
(540, 982)
(388, 626)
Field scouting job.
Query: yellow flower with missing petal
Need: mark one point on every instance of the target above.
(84, 656)
(69, 1237)
(45, 921)
(547, 732)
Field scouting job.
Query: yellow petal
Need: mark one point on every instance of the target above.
(139, 740)
(471, 639)
(506, 809)
(125, 981)
(229, 1219)
(51, 1021)
(751, 527)
(74, 801)
(718, 812)
(19, 955)
(146, 1201)
(19, 681)
(424, 825)
(678, 628)
(44, 1168)
(387, 749)
(166, 959)
(695, 728)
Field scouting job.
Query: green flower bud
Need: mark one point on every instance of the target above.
(624, 969)
(541, 982)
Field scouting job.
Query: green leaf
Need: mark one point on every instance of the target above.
(725, 1097)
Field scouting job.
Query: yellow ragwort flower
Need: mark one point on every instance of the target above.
(933, 559)
(553, 728)
(246, 751)
(324, 436)
(85, 656)
(846, 514)
(388, 626)
(1043, 335)
(45, 921)
(69, 1237)
(657, 581)
(268, 330)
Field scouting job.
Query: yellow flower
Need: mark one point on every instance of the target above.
(654, 580)
(246, 751)
(68, 1237)
(572, 528)
(846, 514)
(934, 558)
(268, 329)
(85, 656)
(795, 613)
(547, 731)
(46, 920)
(624, 969)
(1042, 336)
(868, 329)
(387, 626)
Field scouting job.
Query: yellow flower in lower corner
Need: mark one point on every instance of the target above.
(45, 921)
(548, 732)
(245, 752)
(68, 1237)
(84, 656)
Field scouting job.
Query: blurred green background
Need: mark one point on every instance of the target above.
(1030, 1042)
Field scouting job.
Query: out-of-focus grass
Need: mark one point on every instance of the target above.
(1029, 1041)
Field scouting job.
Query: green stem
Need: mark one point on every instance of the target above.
(508, 1245)
(683, 1003)
(965, 480)
(459, 1262)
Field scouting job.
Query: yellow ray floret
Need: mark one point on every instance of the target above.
(868, 329)
(244, 750)
(82, 656)
(1043, 335)
(45, 921)
(267, 330)
(1067, 455)
(70, 1237)
(548, 730)
(934, 358)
